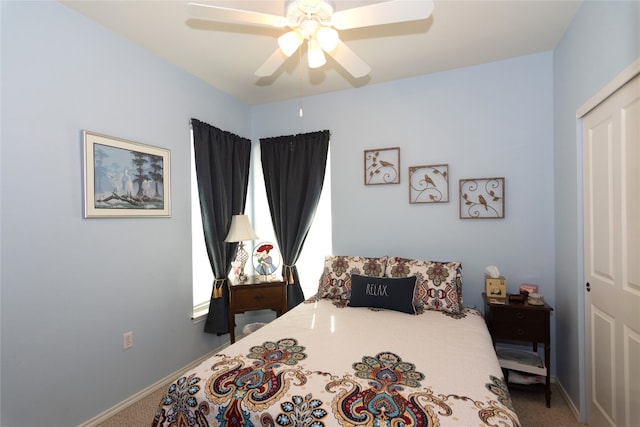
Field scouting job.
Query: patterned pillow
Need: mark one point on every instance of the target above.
(439, 284)
(335, 282)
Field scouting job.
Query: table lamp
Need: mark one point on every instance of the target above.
(240, 231)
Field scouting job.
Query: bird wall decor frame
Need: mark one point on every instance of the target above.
(382, 166)
(429, 184)
(482, 198)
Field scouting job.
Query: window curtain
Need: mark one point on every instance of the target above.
(222, 170)
(293, 168)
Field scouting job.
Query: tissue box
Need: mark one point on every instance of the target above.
(529, 288)
(495, 287)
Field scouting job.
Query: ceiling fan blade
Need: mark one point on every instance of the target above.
(271, 64)
(225, 14)
(382, 13)
(350, 61)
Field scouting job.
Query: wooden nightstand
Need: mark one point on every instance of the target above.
(522, 322)
(255, 294)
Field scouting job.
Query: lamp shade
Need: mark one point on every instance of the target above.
(240, 229)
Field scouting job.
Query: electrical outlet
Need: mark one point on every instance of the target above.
(127, 340)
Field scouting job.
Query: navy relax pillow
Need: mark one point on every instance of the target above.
(393, 293)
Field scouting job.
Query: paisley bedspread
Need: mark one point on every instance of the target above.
(323, 365)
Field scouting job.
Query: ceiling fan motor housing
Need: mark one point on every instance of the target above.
(298, 11)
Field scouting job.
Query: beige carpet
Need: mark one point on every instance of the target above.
(530, 407)
(533, 412)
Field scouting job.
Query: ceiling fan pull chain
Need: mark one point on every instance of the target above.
(300, 82)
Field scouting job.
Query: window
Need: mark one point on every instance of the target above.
(311, 261)
(200, 266)
(318, 243)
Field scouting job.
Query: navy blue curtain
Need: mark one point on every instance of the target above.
(293, 168)
(222, 169)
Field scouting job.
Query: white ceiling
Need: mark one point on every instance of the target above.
(459, 33)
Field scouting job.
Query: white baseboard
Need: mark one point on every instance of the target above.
(100, 418)
(565, 396)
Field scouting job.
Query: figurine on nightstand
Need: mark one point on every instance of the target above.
(265, 262)
(236, 269)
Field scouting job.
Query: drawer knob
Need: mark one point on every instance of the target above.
(519, 315)
(520, 332)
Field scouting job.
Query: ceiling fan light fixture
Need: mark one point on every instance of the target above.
(308, 27)
(327, 38)
(289, 42)
(315, 55)
(316, 22)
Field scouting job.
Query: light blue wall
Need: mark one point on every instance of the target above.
(484, 121)
(603, 39)
(72, 286)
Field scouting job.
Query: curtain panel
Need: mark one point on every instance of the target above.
(222, 169)
(293, 168)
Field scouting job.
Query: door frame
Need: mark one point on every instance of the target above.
(628, 74)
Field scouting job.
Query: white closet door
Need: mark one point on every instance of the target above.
(611, 147)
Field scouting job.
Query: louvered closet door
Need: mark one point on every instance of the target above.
(611, 147)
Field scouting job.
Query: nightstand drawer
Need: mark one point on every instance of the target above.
(255, 293)
(257, 299)
(525, 325)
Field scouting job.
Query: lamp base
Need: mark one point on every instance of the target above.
(241, 260)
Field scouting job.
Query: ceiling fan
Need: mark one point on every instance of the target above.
(317, 23)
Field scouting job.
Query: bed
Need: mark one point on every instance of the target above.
(343, 358)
